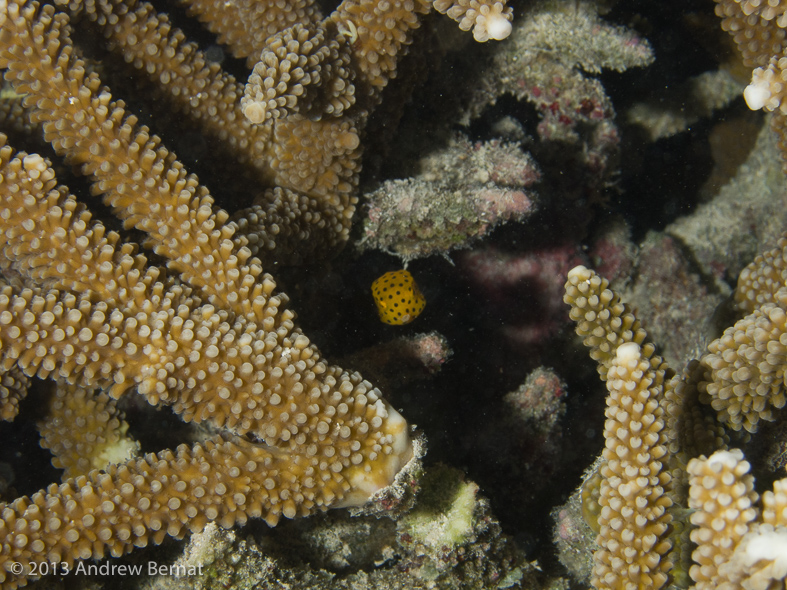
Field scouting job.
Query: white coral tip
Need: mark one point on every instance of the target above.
(255, 112)
(627, 352)
(725, 459)
(498, 27)
(767, 544)
(757, 94)
(580, 273)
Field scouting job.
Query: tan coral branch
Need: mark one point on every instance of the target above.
(634, 519)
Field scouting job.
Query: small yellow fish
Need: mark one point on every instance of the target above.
(399, 300)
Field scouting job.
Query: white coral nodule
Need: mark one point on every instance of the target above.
(497, 26)
(492, 23)
(758, 93)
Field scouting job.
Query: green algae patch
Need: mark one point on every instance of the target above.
(444, 516)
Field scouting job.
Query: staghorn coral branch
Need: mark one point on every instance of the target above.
(603, 321)
(488, 19)
(13, 389)
(246, 26)
(745, 366)
(190, 82)
(744, 379)
(378, 33)
(149, 190)
(89, 343)
(653, 425)
(172, 353)
(756, 27)
(110, 344)
(759, 283)
(634, 519)
(154, 337)
(301, 71)
(738, 545)
(283, 220)
(650, 420)
(636, 491)
(169, 493)
(722, 493)
(59, 250)
(354, 56)
(85, 430)
(759, 30)
(318, 174)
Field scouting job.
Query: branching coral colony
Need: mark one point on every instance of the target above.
(208, 335)
(666, 464)
(665, 457)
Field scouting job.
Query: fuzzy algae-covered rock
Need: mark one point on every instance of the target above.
(747, 215)
(458, 196)
(444, 518)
